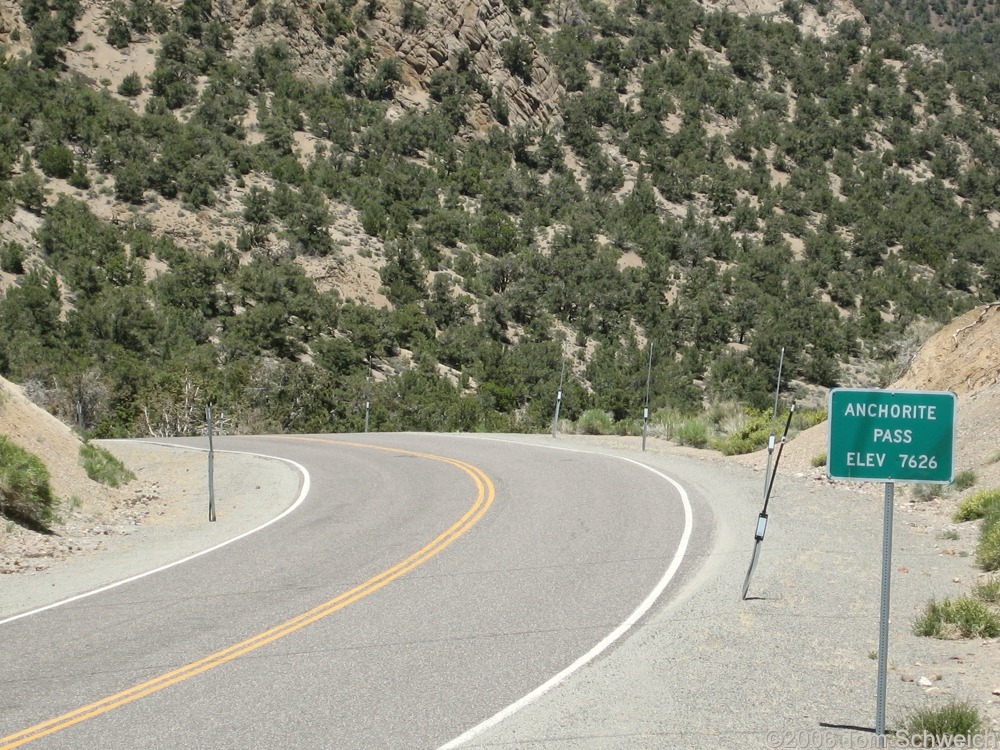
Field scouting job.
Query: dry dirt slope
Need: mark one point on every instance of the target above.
(89, 511)
(963, 357)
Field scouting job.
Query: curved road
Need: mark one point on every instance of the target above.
(426, 583)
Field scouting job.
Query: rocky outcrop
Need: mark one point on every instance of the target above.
(479, 29)
(7, 22)
(448, 29)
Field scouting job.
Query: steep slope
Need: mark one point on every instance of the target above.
(963, 357)
(40, 433)
(88, 511)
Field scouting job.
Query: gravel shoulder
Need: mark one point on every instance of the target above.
(708, 670)
(164, 519)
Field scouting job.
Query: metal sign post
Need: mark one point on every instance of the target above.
(559, 395)
(883, 629)
(211, 466)
(645, 408)
(890, 436)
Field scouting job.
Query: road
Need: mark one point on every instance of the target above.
(426, 583)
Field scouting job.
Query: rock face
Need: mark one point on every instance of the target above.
(961, 357)
(455, 27)
(447, 29)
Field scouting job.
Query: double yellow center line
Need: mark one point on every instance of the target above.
(485, 492)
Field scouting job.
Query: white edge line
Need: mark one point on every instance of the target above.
(614, 635)
(298, 501)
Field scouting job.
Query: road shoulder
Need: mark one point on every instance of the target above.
(170, 521)
(708, 670)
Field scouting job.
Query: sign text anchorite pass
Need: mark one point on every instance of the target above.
(892, 436)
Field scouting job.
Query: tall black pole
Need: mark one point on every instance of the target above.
(769, 475)
(774, 417)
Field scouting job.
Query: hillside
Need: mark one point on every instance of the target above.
(962, 357)
(438, 208)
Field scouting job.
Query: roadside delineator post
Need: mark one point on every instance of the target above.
(211, 466)
(559, 395)
(645, 408)
(368, 393)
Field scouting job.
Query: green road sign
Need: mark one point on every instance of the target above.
(892, 436)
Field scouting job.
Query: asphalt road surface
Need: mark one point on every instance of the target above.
(426, 583)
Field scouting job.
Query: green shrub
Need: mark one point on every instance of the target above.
(131, 85)
(79, 179)
(988, 551)
(965, 479)
(751, 436)
(664, 423)
(414, 17)
(594, 422)
(103, 467)
(818, 460)
(130, 182)
(806, 418)
(977, 504)
(628, 427)
(56, 161)
(955, 719)
(988, 590)
(119, 35)
(726, 417)
(964, 617)
(755, 431)
(735, 445)
(693, 432)
(927, 492)
(516, 54)
(25, 493)
(258, 16)
(12, 257)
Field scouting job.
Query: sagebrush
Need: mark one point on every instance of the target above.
(26, 495)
